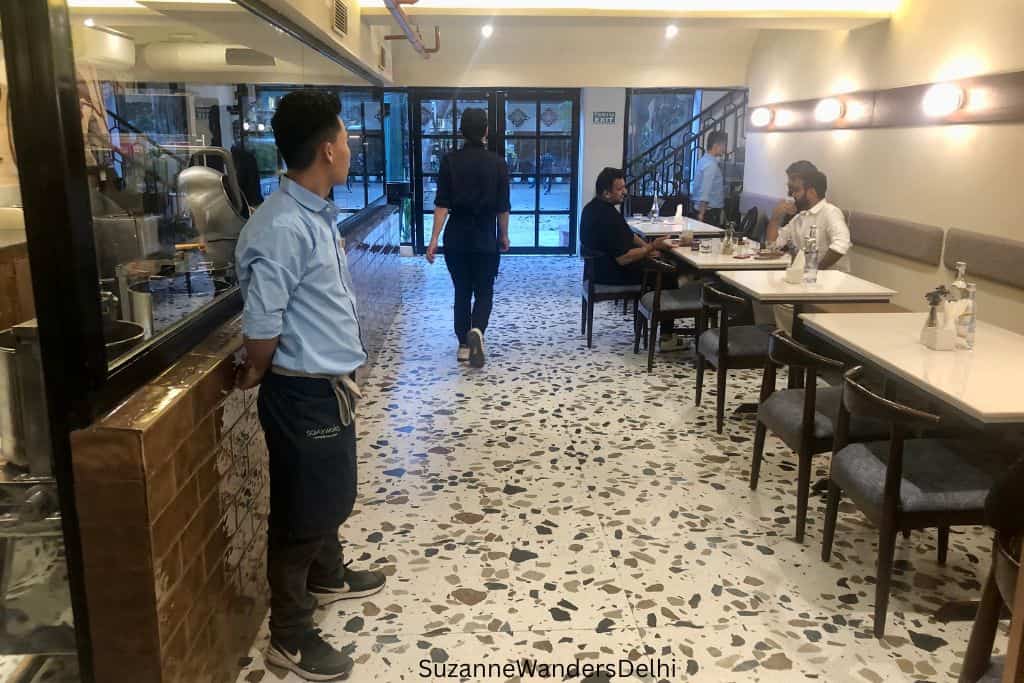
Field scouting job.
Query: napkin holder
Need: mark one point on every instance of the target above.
(678, 218)
(939, 332)
(795, 272)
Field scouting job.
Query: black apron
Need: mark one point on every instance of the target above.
(312, 455)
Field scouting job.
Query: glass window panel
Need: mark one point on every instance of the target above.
(143, 120)
(521, 155)
(556, 118)
(520, 117)
(375, 167)
(432, 150)
(554, 231)
(554, 192)
(428, 227)
(556, 156)
(397, 136)
(521, 230)
(436, 116)
(429, 192)
(523, 194)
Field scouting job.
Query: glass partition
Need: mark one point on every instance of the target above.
(176, 104)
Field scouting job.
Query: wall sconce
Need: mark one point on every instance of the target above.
(761, 117)
(942, 99)
(829, 110)
(671, 31)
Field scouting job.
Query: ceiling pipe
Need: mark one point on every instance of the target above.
(410, 32)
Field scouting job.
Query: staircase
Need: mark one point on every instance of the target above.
(665, 169)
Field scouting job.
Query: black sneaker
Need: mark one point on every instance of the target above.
(310, 657)
(348, 584)
(476, 347)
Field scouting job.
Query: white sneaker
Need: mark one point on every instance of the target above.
(476, 348)
(673, 343)
(462, 354)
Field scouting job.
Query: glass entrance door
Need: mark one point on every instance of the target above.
(538, 133)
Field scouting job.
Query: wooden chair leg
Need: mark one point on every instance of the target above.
(646, 333)
(831, 513)
(590, 324)
(583, 315)
(906, 533)
(983, 633)
(700, 378)
(652, 336)
(755, 463)
(883, 573)
(636, 334)
(720, 399)
(803, 494)
(625, 305)
(943, 544)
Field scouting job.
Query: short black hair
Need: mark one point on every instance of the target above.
(606, 179)
(815, 179)
(717, 137)
(474, 124)
(802, 166)
(304, 120)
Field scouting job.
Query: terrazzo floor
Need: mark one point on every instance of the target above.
(561, 505)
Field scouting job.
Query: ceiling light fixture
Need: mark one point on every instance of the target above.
(487, 30)
(761, 117)
(90, 22)
(942, 99)
(828, 110)
(260, 127)
(671, 31)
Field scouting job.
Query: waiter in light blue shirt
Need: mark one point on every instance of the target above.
(303, 345)
(708, 181)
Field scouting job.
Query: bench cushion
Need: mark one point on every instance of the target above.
(879, 307)
(994, 258)
(914, 241)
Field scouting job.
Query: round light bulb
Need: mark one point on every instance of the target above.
(761, 117)
(487, 30)
(942, 99)
(245, 125)
(671, 31)
(260, 127)
(90, 22)
(828, 110)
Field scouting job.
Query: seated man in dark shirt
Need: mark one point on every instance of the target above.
(623, 254)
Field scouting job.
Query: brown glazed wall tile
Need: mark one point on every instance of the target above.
(215, 386)
(104, 454)
(199, 446)
(172, 611)
(112, 503)
(172, 521)
(162, 414)
(174, 656)
(187, 371)
(167, 572)
(125, 546)
(224, 341)
(206, 474)
(161, 488)
(205, 522)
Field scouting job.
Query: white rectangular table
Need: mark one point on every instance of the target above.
(667, 226)
(833, 286)
(983, 383)
(719, 262)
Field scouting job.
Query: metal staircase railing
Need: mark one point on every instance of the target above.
(666, 167)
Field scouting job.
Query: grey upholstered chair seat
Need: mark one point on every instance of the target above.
(940, 476)
(745, 342)
(686, 300)
(612, 289)
(783, 414)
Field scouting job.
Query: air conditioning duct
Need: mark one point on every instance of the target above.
(205, 58)
(103, 49)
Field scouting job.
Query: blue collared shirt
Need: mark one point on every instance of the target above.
(708, 183)
(296, 285)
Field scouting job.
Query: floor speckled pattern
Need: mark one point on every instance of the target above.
(562, 505)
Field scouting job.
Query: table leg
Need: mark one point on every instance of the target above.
(796, 379)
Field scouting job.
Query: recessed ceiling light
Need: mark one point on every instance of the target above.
(761, 117)
(487, 30)
(90, 22)
(828, 110)
(943, 99)
(671, 31)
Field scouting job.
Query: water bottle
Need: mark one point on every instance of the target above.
(958, 288)
(971, 314)
(811, 257)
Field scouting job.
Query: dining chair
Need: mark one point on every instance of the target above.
(905, 483)
(748, 225)
(803, 418)
(669, 204)
(997, 596)
(659, 304)
(594, 292)
(727, 347)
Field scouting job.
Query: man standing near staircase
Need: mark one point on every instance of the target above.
(708, 181)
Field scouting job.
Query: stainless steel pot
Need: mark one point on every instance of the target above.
(11, 432)
(160, 302)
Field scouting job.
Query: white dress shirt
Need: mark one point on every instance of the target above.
(833, 233)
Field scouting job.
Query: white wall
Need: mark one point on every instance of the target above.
(574, 52)
(950, 176)
(600, 145)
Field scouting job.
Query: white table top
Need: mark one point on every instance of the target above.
(668, 226)
(984, 383)
(718, 262)
(770, 286)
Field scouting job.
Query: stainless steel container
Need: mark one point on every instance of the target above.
(160, 302)
(124, 238)
(11, 432)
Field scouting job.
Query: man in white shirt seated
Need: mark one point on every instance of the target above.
(808, 192)
(807, 188)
